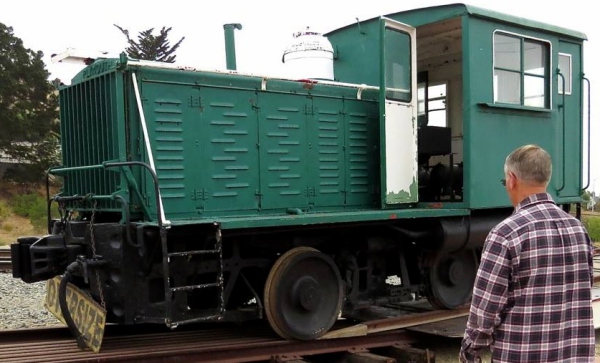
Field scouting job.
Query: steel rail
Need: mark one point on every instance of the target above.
(214, 345)
(5, 260)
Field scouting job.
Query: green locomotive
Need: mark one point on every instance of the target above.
(194, 195)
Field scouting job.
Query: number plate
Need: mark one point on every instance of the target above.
(88, 315)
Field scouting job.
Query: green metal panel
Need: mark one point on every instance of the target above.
(204, 144)
(283, 158)
(230, 150)
(364, 215)
(228, 134)
(493, 131)
(355, 49)
(316, 153)
(170, 116)
(568, 158)
(326, 131)
(361, 120)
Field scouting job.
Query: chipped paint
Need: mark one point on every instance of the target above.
(404, 196)
(401, 164)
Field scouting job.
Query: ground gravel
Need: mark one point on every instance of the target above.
(22, 304)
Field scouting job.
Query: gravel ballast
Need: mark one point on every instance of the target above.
(22, 304)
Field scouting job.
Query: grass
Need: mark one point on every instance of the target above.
(592, 224)
(22, 212)
(15, 227)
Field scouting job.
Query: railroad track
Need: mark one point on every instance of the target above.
(5, 262)
(254, 342)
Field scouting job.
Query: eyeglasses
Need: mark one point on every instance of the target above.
(510, 174)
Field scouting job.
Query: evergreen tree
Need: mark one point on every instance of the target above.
(28, 109)
(151, 47)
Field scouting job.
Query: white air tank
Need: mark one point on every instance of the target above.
(310, 56)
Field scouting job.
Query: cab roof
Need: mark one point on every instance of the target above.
(442, 12)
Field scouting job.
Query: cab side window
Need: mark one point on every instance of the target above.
(566, 69)
(521, 70)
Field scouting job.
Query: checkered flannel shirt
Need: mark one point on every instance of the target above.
(532, 294)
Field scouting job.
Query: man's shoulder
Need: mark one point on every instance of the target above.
(526, 217)
(515, 221)
(507, 227)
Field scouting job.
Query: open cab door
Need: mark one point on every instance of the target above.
(398, 113)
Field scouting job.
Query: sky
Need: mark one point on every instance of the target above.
(267, 29)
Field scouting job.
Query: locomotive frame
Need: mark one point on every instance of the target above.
(195, 195)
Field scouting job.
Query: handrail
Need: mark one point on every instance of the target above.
(161, 216)
(125, 209)
(58, 198)
(564, 148)
(48, 202)
(589, 147)
(113, 164)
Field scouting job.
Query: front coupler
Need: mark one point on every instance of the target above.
(36, 259)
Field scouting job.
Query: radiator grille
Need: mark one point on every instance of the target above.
(90, 119)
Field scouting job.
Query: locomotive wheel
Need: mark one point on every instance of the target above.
(303, 294)
(449, 278)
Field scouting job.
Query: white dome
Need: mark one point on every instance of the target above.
(309, 56)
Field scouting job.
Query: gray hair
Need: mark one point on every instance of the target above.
(530, 163)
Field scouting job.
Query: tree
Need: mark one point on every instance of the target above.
(151, 47)
(28, 108)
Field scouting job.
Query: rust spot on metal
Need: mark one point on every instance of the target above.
(308, 83)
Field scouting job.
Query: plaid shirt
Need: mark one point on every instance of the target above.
(532, 294)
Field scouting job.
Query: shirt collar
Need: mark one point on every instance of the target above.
(534, 199)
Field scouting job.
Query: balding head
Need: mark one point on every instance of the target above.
(531, 164)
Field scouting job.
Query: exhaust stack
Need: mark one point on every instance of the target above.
(230, 44)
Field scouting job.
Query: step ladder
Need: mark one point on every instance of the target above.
(170, 290)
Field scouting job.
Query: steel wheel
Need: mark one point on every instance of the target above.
(449, 278)
(303, 294)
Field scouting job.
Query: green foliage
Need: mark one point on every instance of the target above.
(28, 106)
(151, 47)
(4, 211)
(586, 196)
(32, 206)
(592, 224)
(39, 159)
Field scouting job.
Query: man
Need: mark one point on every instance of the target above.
(532, 294)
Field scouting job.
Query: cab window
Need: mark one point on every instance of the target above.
(397, 65)
(521, 70)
